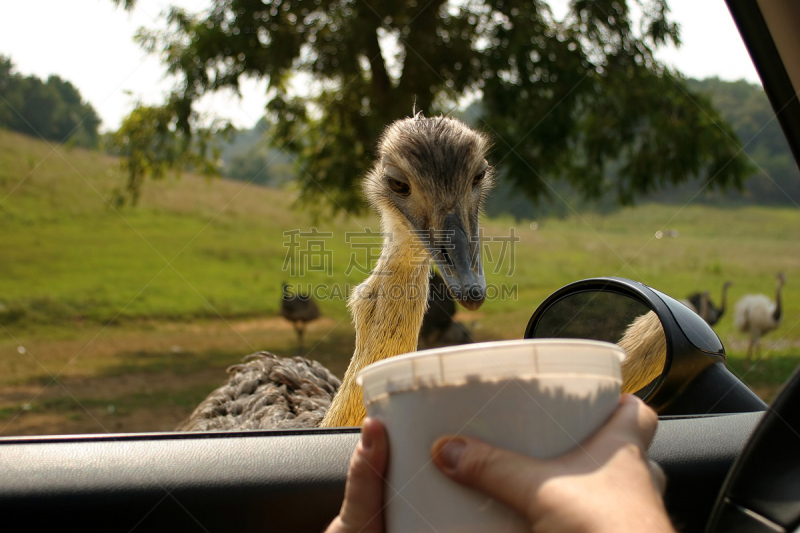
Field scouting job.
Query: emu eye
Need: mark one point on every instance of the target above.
(478, 178)
(398, 187)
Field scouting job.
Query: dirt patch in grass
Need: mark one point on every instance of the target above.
(141, 378)
(133, 402)
(148, 376)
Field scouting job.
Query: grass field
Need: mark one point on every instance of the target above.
(122, 320)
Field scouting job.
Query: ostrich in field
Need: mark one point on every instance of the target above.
(703, 306)
(756, 314)
(429, 180)
(299, 309)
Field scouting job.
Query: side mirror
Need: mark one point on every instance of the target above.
(676, 363)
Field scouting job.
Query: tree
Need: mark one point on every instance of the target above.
(52, 110)
(10, 94)
(563, 99)
(747, 109)
(76, 121)
(247, 156)
(151, 143)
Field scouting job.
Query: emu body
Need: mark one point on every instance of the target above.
(757, 315)
(645, 344)
(702, 305)
(428, 184)
(299, 309)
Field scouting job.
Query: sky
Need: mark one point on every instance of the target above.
(90, 43)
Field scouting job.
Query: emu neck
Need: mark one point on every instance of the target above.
(778, 313)
(724, 301)
(387, 314)
(705, 303)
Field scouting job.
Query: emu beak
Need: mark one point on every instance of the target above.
(459, 261)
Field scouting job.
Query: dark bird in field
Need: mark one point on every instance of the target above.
(299, 309)
(703, 306)
(439, 327)
(430, 178)
(756, 314)
(439, 315)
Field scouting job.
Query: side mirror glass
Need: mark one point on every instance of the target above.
(612, 317)
(675, 361)
(592, 314)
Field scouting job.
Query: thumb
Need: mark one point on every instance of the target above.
(513, 478)
(503, 475)
(362, 508)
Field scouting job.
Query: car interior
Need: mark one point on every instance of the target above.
(732, 462)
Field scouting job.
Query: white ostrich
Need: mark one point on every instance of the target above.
(756, 314)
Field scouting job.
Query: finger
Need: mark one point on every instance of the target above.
(363, 496)
(633, 420)
(658, 477)
(503, 475)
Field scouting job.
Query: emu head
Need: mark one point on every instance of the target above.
(430, 179)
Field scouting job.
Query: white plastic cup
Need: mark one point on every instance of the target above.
(539, 397)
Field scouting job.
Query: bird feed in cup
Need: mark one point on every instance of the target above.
(539, 397)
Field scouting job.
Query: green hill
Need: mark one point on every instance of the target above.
(194, 247)
(209, 248)
(191, 278)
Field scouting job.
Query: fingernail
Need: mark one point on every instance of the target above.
(450, 453)
(366, 437)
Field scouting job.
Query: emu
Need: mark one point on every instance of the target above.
(703, 306)
(430, 178)
(429, 181)
(756, 314)
(645, 344)
(299, 309)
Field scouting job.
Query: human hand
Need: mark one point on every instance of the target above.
(362, 508)
(604, 485)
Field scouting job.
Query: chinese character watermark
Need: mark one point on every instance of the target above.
(507, 248)
(306, 252)
(369, 241)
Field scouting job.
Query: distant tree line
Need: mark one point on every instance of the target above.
(746, 108)
(248, 156)
(52, 109)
